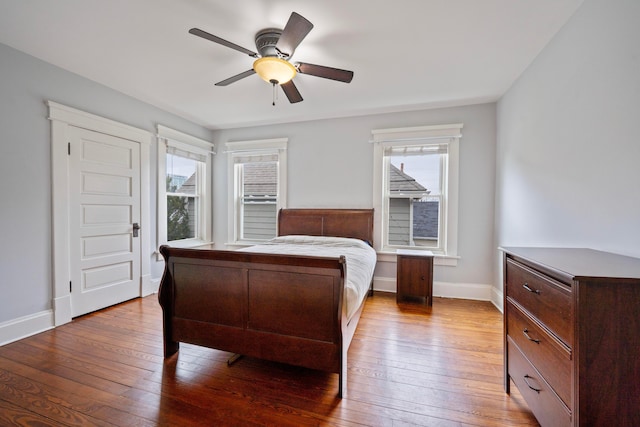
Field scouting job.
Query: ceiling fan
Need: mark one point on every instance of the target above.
(275, 49)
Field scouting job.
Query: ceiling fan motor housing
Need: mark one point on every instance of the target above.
(266, 41)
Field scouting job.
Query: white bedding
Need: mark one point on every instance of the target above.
(361, 260)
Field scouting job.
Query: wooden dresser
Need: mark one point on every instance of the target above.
(572, 335)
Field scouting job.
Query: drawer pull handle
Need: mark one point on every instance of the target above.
(526, 286)
(526, 334)
(526, 378)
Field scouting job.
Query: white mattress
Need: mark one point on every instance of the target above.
(361, 260)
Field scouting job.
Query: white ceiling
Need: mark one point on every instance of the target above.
(406, 54)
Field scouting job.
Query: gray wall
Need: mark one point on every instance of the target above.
(25, 165)
(568, 144)
(330, 164)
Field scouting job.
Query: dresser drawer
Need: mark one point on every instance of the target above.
(546, 299)
(544, 403)
(551, 358)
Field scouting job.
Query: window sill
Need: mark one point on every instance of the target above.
(185, 244)
(384, 256)
(243, 244)
(438, 259)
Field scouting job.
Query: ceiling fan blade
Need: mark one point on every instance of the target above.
(291, 91)
(325, 72)
(294, 32)
(198, 32)
(236, 78)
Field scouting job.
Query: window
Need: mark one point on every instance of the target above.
(415, 188)
(257, 188)
(184, 189)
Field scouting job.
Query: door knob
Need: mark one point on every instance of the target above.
(136, 228)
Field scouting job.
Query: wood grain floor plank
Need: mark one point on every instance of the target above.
(12, 415)
(408, 365)
(67, 409)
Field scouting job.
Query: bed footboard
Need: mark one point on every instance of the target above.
(276, 307)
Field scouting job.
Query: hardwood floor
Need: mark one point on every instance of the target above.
(408, 365)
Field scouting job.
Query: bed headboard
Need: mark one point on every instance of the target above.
(354, 223)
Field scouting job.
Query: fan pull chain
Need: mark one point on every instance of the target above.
(275, 93)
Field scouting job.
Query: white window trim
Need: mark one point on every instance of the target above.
(167, 136)
(276, 146)
(383, 138)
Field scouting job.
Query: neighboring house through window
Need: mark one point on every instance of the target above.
(257, 188)
(416, 188)
(184, 189)
(410, 223)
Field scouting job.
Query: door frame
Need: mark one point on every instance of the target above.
(62, 117)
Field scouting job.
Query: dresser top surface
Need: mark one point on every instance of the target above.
(580, 262)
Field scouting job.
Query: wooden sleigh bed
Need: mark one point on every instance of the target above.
(283, 308)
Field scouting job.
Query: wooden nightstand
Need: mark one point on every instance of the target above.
(415, 276)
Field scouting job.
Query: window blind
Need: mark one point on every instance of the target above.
(187, 151)
(415, 150)
(260, 158)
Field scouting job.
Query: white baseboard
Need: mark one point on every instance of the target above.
(22, 327)
(384, 284)
(497, 299)
(62, 310)
(475, 291)
(149, 286)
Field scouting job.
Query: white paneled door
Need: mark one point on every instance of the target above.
(104, 216)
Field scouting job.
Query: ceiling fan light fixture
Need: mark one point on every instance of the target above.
(274, 70)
